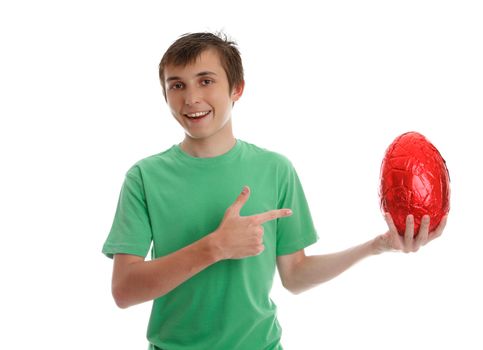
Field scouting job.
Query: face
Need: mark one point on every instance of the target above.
(199, 97)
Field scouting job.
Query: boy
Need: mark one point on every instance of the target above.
(215, 250)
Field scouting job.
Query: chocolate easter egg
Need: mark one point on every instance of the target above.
(414, 180)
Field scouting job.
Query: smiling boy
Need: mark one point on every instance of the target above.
(201, 99)
(215, 250)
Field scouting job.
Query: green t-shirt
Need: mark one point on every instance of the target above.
(171, 200)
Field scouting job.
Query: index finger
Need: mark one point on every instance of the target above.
(271, 215)
(390, 222)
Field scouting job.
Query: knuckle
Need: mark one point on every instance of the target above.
(228, 211)
(252, 221)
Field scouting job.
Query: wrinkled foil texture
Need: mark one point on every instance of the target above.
(414, 180)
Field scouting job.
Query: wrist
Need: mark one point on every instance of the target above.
(378, 245)
(214, 247)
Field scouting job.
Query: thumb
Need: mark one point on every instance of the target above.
(241, 199)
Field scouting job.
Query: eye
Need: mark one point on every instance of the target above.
(176, 86)
(206, 82)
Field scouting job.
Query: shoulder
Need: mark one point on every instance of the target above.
(267, 156)
(150, 163)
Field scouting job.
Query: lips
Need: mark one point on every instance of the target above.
(197, 116)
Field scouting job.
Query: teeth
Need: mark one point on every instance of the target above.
(198, 114)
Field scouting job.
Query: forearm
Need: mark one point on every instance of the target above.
(317, 269)
(147, 280)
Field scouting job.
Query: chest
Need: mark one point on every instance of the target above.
(184, 207)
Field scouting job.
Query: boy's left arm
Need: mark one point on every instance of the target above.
(299, 272)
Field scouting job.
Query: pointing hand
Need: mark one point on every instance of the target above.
(238, 236)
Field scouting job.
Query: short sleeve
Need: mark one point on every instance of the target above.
(131, 229)
(296, 231)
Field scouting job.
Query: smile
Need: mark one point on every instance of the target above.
(197, 114)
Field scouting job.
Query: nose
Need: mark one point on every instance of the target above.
(191, 97)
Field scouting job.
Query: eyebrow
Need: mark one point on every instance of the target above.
(200, 74)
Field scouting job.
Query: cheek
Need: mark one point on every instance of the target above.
(211, 96)
(173, 103)
(219, 100)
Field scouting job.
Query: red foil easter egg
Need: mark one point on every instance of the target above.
(414, 180)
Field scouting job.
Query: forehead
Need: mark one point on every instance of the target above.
(207, 61)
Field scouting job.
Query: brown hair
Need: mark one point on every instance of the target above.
(188, 48)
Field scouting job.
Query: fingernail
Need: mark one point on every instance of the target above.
(245, 190)
(289, 212)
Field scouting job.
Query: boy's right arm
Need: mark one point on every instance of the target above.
(135, 281)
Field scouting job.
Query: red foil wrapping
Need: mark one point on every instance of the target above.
(414, 180)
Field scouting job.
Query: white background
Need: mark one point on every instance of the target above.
(329, 86)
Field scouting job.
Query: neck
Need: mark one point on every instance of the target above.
(209, 147)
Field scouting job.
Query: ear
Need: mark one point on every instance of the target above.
(237, 91)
